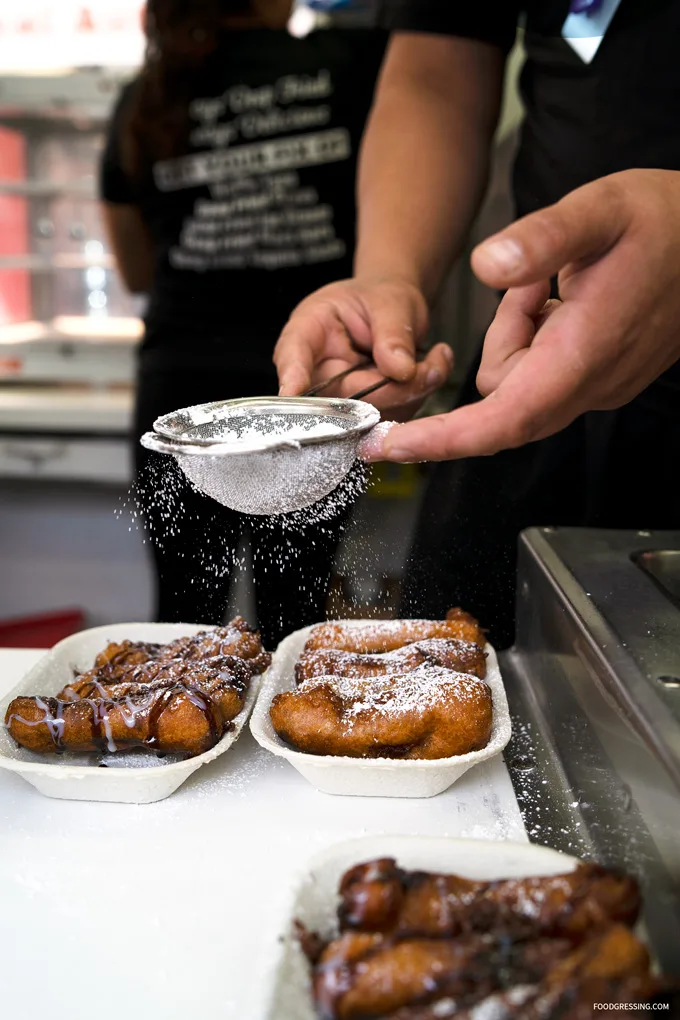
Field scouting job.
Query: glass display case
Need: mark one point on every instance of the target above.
(59, 293)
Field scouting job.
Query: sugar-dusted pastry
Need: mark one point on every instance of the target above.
(386, 635)
(431, 712)
(452, 653)
(175, 698)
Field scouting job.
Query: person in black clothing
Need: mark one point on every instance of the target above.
(581, 395)
(228, 191)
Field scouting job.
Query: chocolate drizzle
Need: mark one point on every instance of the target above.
(123, 700)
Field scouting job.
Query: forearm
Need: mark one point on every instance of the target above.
(425, 157)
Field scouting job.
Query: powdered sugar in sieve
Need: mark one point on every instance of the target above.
(265, 455)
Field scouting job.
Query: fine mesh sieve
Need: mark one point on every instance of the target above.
(265, 455)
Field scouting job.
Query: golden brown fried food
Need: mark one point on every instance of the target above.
(204, 674)
(440, 946)
(118, 657)
(452, 653)
(611, 966)
(179, 697)
(238, 638)
(430, 712)
(380, 897)
(386, 635)
(360, 976)
(181, 715)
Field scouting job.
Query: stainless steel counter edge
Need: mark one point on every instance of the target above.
(593, 756)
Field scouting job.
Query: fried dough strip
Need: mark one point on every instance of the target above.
(430, 712)
(452, 653)
(207, 675)
(175, 718)
(236, 639)
(610, 967)
(380, 897)
(179, 697)
(362, 976)
(387, 635)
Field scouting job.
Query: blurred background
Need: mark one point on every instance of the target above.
(70, 553)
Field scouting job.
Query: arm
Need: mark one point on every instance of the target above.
(425, 158)
(131, 245)
(423, 173)
(615, 246)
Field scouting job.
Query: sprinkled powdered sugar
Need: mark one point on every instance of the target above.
(500, 1007)
(231, 429)
(371, 445)
(268, 463)
(375, 629)
(444, 1008)
(419, 691)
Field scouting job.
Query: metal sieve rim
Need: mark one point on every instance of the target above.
(362, 415)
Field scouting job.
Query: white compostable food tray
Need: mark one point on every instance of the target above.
(136, 777)
(315, 901)
(374, 777)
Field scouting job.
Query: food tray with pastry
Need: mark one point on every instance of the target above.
(128, 712)
(398, 708)
(411, 928)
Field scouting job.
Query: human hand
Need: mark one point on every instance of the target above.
(615, 246)
(340, 324)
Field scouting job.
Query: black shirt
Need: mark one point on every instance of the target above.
(582, 121)
(261, 210)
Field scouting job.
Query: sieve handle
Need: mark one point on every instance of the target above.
(336, 378)
(343, 375)
(370, 389)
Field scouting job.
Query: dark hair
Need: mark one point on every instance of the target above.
(180, 35)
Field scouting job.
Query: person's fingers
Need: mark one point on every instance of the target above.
(400, 398)
(582, 226)
(371, 446)
(542, 395)
(323, 326)
(398, 321)
(296, 353)
(511, 333)
(383, 321)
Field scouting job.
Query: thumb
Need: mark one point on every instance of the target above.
(582, 226)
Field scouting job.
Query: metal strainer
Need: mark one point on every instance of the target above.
(265, 455)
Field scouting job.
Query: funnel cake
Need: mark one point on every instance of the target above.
(387, 635)
(181, 699)
(430, 712)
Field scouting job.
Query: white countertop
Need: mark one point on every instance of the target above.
(172, 910)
